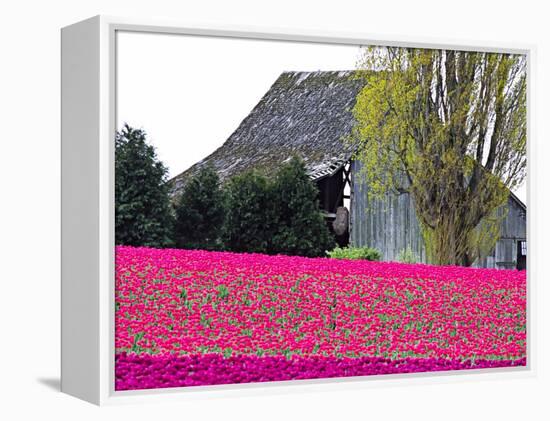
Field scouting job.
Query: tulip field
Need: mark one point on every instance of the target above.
(191, 317)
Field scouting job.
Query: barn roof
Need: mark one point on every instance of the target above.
(518, 201)
(305, 114)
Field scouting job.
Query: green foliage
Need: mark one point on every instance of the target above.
(250, 214)
(200, 212)
(277, 217)
(407, 256)
(355, 253)
(300, 226)
(223, 292)
(482, 239)
(449, 128)
(142, 205)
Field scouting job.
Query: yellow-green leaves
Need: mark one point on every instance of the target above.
(450, 126)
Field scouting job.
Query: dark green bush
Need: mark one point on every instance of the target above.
(300, 226)
(142, 205)
(250, 214)
(200, 212)
(279, 216)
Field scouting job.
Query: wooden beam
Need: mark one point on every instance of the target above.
(346, 181)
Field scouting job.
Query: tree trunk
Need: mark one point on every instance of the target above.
(448, 243)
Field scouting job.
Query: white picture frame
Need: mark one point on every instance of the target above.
(88, 127)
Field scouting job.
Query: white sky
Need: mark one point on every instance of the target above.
(189, 93)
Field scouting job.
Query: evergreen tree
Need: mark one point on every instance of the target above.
(251, 216)
(142, 205)
(200, 212)
(300, 227)
(278, 217)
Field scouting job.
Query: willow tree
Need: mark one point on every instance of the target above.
(449, 128)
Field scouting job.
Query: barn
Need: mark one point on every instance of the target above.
(308, 114)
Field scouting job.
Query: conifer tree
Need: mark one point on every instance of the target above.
(142, 205)
(251, 217)
(301, 228)
(200, 212)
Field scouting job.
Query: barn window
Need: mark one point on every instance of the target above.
(524, 248)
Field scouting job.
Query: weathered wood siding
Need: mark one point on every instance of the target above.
(391, 226)
(513, 229)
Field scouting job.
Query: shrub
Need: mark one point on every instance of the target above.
(407, 256)
(200, 212)
(276, 217)
(355, 253)
(300, 227)
(250, 214)
(142, 205)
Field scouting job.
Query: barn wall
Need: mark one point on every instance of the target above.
(391, 225)
(513, 228)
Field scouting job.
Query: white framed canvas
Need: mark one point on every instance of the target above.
(246, 209)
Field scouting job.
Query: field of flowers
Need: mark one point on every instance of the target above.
(186, 318)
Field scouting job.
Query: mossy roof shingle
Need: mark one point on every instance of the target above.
(305, 114)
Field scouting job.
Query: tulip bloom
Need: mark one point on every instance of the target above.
(264, 318)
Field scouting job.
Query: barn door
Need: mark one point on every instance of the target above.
(522, 255)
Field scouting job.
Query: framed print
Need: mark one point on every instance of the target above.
(246, 207)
